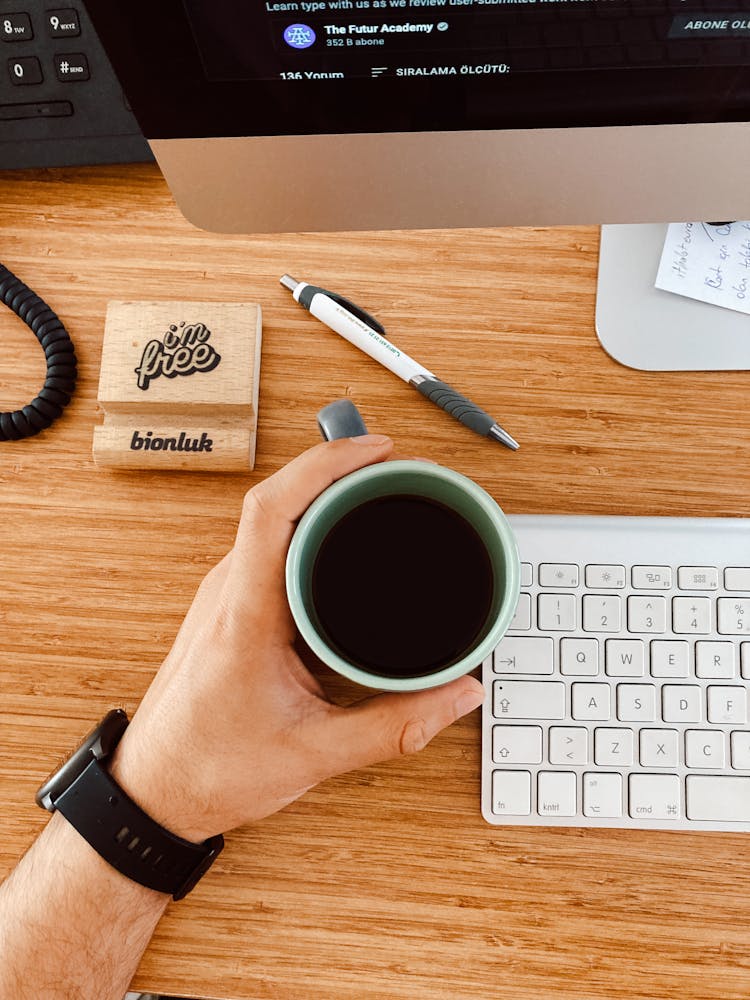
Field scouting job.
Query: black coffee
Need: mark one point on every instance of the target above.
(402, 586)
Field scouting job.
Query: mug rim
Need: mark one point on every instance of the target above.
(364, 677)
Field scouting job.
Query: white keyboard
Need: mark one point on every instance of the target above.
(619, 696)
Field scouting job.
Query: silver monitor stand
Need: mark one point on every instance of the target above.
(644, 327)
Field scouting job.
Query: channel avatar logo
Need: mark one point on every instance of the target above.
(299, 36)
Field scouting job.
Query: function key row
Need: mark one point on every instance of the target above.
(17, 27)
(613, 576)
(650, 615)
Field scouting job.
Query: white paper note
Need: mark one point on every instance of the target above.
(706, 262)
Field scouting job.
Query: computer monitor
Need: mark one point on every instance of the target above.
(270, 116)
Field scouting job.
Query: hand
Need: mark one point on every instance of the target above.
(234, 727)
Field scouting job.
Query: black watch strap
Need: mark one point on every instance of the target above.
(128, 839)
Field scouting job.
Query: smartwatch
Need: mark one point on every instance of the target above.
(119, 830)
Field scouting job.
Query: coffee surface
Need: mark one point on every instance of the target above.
(402, 586)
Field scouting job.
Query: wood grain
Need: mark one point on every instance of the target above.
(385, 883)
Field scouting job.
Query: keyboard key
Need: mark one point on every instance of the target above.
(524, 655)
(517, 744)
(556, 793)
(602, 795)
(529, 700)
(71, 66)
(568, 745)
(745, 659)
(704, 748)
(591, 702)
(636, 702)
(658, 748)
(740, 750)
(558, 575)
(602, 614)
(654, 796)
(15, 27)
(691, 615)
(698, 578)
(557, 612)
(647, 614)
(522, 619)
(27, 70)
(613, 747)
(38, 109)
(734, 616)
(579, 657)
(737, 578)
(718, 797)
(605, 577)
(727, 705)
(651, 577)
(625, 658)
(63, 23)
(527, 574)
(669, 658)
(681, 703)
(511, 793)
(714, 659)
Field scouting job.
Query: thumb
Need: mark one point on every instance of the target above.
(388, 725)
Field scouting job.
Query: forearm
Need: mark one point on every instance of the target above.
(71, 927)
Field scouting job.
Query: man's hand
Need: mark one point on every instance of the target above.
(234, 726)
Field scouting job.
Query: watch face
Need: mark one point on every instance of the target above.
(99, 743)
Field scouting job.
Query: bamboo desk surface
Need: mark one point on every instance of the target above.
(385, 883)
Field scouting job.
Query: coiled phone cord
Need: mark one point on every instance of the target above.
(58, 348)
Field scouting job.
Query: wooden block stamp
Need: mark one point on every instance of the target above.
(179, 386)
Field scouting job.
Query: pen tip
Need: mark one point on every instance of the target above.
(288, 282)
(503, 437)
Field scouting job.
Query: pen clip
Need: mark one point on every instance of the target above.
(356, 311)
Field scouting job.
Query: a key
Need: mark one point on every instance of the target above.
(557, 612)
(625, 658)
(568, 745)
(698, 578)
(745, 659)
(605, 577)
(591, 701)
(734, 615)
(556, 793)
(524, 655)
(522, 618)
(658, 748)
(613, 747)
(651, 577)
(681, 703)
(527, 574)
(602, 613)
(704, 748)
(670, 658)
(647, 614)
(511, 793)
(727, 705)
(691, 615)
(517, 744)
(602, 795)
(737, 578)
(558, 575)
(714, 659)
(579, 657)
(654, 796)
(740, 750)
(529, 700)
(636, 702)
(718, 797)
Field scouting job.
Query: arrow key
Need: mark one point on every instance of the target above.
(517, 744)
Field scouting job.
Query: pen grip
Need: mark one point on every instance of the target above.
(448, 399)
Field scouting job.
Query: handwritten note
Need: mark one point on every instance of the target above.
(708, 262)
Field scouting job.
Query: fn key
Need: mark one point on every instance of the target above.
(71, 66)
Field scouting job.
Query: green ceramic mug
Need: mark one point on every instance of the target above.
(398, 479)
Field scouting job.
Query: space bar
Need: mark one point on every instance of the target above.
(713, 797)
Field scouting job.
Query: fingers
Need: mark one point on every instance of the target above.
(272, 508)
(388, 725)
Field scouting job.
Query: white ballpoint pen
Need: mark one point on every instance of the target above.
(364, 332)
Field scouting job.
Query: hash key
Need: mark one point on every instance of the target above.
(71, 66)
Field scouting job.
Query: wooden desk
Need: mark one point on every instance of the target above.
(385, 883)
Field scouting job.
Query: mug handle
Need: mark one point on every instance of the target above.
(340, 419)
